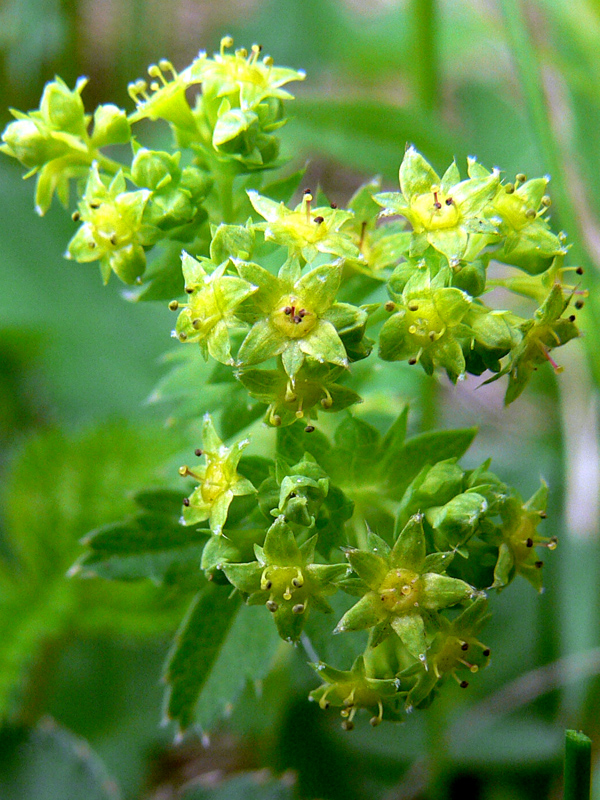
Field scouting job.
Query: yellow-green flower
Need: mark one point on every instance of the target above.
(210, 311)
(241, 75)
(444, 212)
(112, 232)
(305, 231)
(219, 480)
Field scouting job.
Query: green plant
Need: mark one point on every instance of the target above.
(280, 309)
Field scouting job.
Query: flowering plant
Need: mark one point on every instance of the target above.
(333, 529)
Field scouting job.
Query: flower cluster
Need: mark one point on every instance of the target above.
(380, 539)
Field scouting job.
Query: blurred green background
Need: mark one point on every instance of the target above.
(516, 84)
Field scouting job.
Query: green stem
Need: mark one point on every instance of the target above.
(578, 756)
(425, 53)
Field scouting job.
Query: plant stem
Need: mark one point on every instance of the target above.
(578, 755)
(425, 53)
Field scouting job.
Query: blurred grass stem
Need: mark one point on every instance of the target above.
(426, 53)
(578, 757)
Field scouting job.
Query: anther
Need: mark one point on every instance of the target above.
(173, 305)
(288, 310)
(298, 608)
(302, 313)
(183, 471)
(449, 201)
(539, 564)
(268, 585)
(189, 289)
(579, 304)
(348, 725)
(413, 306)
(272, 606)
(436, 202)
(412, 361)
(546, 201)
(186, 501)
(198, 452)
(308, 191)
(486, 652)
(182, 336)
(464, 646)
(92, 245)
(520, 177)
(76, 216)
(390, 306)
(333, 205)
(529, 542)
(196, 324)
(509, 188)
(297, 582)
(319, 220)
(464, 684)
(572, 318)
(309, 429)
(94, 204)
(530, 213)
(327, 402)
(374, 721)
(579, 270)
(543, 515)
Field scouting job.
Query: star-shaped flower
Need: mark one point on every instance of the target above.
(354, 689)
(293, 316)
(427, 324)
(113, 231)
(519, 208)
(517, 538)
(314, 389)
(165, 97)
(549, 329)
(241, 77)
(454, 648)
(443, 212)
(210, 311)
(404, 588)
(305, 231)
(285, 578)
(219, 480)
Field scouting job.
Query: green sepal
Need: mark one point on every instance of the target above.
(364, 614)
(410, 628)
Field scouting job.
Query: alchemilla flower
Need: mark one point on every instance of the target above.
(293, 316)
(285, 579)
(404, 589)
(113, 231)
(313, 389)
(518, 209)
(218, 478)
(453, 649)
(517, 539)
(354, 689)
(210, 311)
(444, 212)
(241, 76)
(427, 325)
(305, 231)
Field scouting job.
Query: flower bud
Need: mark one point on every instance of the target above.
(30, 144)
(110, 126)
(154, 169)
(62, 108)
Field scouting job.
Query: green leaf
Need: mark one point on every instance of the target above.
(196, 649)
(146, 546)
(50, 763)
